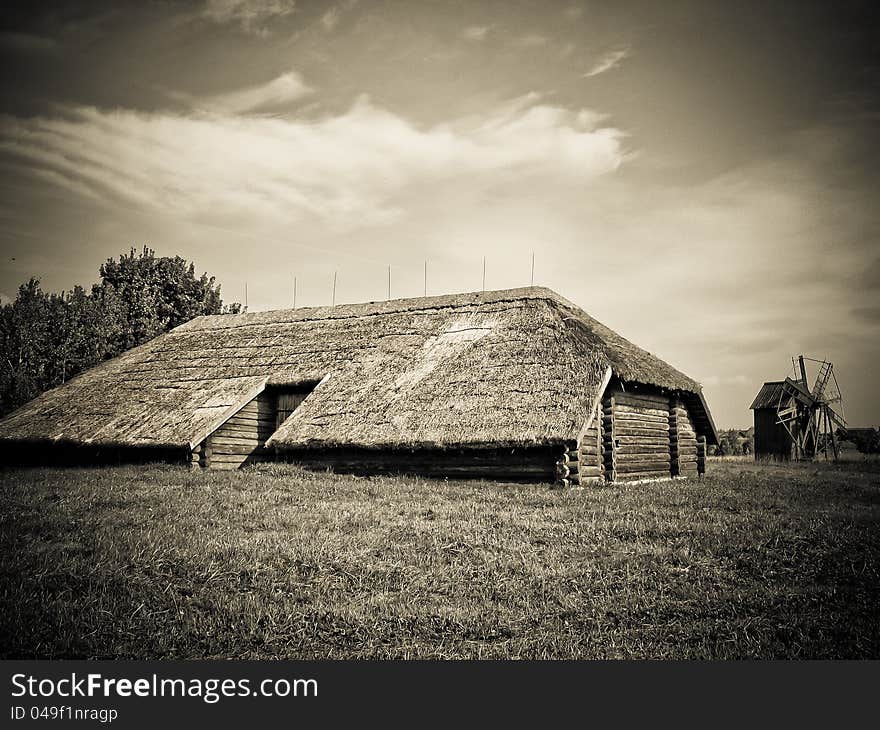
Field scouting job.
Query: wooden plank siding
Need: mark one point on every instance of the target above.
(241, 439)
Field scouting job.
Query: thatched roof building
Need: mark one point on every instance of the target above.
(431, 384)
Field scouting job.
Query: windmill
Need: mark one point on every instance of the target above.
(809, 415)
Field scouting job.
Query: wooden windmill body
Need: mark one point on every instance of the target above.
(810, 416)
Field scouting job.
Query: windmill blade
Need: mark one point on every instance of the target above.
(822, 378)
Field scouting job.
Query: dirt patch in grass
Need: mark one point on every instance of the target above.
(751, 561)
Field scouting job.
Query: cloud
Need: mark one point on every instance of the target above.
(475, 32)
(532, 40)
(330, 19)
(252, 15)
(607, 62)
(349, 170)
(275, 94)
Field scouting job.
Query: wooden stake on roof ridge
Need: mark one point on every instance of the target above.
(333, 300)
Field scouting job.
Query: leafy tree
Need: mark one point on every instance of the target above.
(159, 293)
(47, 338)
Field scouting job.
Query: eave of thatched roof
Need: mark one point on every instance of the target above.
(513, 367)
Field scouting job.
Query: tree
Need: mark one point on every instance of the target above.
(159, 293)
(47, 338)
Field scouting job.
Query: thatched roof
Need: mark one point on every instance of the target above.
(514, 367)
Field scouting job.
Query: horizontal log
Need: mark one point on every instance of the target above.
(246, 435)
(643, 459)
(624, 478)
(659, 437)
(636, 446)
(620, 412)
(642, 412)
(638, 398)
(253, 426)
(646, 440)
(655, 469)
(635, 458)
(242, 433)
(255, 415)
(473, 472)
(238, 449)
(220, 444)
(227, 459)
(252, 420)
(618, 423)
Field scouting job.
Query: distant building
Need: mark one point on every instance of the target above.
(772, 439)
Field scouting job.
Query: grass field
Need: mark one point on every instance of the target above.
(750, 561)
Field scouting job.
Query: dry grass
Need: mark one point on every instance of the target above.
(752, 561)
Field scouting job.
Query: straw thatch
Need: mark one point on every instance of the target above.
(515, 367)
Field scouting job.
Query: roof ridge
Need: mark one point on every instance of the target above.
(383, 307)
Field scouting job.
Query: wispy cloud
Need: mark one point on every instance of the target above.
(532, 40)
(476, 32)
(348, 170)
(270, 96)
(331, 18)
(607, 62)
(254, 16)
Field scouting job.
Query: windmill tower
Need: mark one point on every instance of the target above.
(810, 416)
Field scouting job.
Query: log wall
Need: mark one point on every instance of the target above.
(635, 439)
(241, 439)
(590, 466)
(682, 440)
(532, 464)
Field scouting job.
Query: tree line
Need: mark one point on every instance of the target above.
(46, 338)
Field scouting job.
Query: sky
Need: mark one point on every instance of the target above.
(699, 176)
